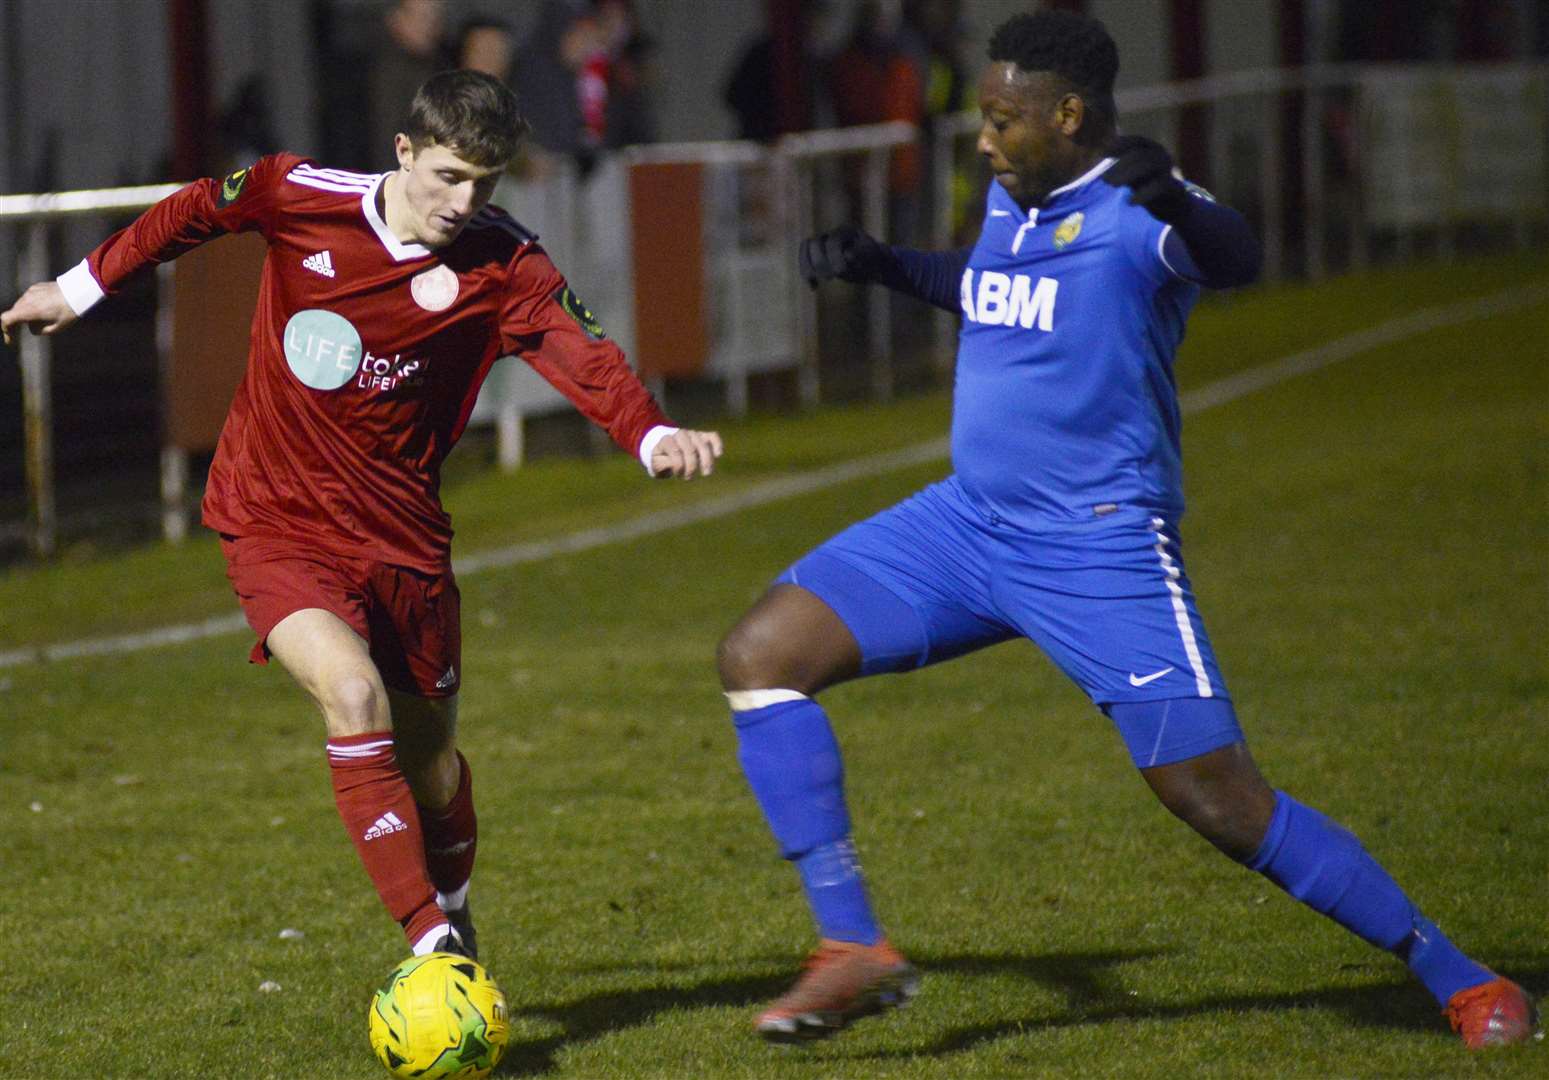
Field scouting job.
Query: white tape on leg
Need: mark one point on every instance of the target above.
(745, 700)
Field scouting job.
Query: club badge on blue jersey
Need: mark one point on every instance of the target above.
(1068, 230)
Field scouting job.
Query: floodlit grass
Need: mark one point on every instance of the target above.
(1368, 544)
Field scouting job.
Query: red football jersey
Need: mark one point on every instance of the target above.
(367, 354)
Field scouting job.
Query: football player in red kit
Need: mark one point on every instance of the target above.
(384, 301)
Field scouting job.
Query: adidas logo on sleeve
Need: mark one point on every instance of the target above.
(321, 263)
(385, 825)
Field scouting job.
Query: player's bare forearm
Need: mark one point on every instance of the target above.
(685, 454)
(41, 309)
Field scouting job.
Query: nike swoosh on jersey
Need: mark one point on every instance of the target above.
(1141, 680)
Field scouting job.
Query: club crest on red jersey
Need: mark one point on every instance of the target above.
(435, 289)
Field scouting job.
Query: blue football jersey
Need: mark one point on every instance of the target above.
(1065, 401)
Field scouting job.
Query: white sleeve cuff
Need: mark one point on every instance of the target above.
(81, 289)
(648, 444)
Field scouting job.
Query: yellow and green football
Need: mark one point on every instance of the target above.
(437, 1016)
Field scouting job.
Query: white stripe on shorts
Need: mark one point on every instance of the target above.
(1181, 612)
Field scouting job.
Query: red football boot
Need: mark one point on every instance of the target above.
(1496, 1013)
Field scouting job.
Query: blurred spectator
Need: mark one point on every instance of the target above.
(753, 91)
(873, 80)
(244, 131)
(583, 81)
(410, 50)
(486, 44)
(548, 67)
(940, 33)
(630, 115)
(938, 28)
(592, 78)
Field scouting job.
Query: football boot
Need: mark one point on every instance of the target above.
(842, 981)
(452, 943)
(1496, 1013)
(462, 922)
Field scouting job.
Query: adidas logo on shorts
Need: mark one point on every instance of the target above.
(321, 263)
(448, 679)
(385, 825)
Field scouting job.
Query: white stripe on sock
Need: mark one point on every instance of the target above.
(360, 750)
(431, 938)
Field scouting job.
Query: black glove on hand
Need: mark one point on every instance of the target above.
(846, 253)
(1146, 168)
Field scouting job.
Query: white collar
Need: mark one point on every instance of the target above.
(1085, 178)
(400, 251)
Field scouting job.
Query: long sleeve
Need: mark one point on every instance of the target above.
(188, 217)
(1213, 245)
(543, 322)
(932, 276)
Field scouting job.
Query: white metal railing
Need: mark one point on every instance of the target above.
(1470, 143)
(755, 282)
(35, 212)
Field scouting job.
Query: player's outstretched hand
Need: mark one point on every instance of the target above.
(686, 454)
(1146, 167)
(847, 253)
(42, 309)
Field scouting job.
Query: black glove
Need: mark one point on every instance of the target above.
(846, 253)
(1146, 168)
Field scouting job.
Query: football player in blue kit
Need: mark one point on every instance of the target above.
(1059, 523)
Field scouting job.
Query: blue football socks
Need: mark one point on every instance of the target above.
(1325, 867)
(791, 759)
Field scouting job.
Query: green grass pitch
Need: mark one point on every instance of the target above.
(1369, 547)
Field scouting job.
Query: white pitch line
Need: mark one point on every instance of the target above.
(1206, 397)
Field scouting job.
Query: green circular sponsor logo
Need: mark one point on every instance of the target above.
(322, 349)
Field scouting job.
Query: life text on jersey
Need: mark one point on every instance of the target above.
(324, 351)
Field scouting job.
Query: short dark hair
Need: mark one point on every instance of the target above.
(470, 113)
(1075, 47)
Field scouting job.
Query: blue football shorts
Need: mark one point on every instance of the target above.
(1107, 600)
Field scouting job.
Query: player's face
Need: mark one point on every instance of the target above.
(441, 191)
(1026, 131)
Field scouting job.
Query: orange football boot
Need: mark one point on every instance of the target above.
(1496, 1013)
(842, 981)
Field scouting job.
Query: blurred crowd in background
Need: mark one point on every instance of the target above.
(587, 75)
(184, 88)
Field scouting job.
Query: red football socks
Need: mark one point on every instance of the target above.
(452, 836)
(379, 814)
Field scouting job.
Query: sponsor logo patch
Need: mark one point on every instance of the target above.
(322, 349)
(578, 311)
(321, 263)
(232, 186)
(385, 825)
(1141, 680)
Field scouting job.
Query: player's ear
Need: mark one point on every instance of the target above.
(404, 148)
(1069, 114)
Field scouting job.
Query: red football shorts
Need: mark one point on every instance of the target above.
(410, 620)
